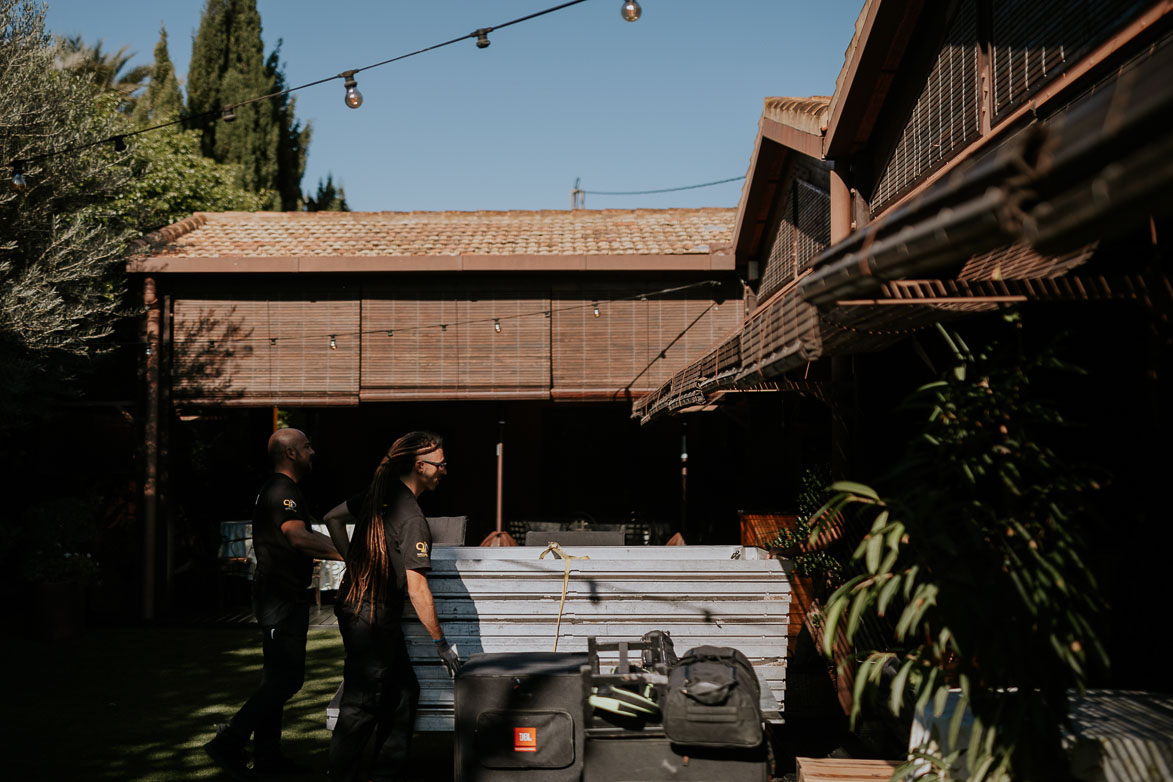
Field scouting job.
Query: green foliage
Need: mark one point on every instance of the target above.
(61, 274)
(328, 198)
(56, 541)
(228, 66)
(975, 554)
(161, 102)
(171, 180)
(796, 543)
(103, 69)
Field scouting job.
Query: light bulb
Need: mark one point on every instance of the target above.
(496, 325)
(333, 343)
(631, 11)
(353, 96)
(443, 327)
(119, 144)
(230, 114)
(596, 309)
(390, 332)
(18, 182)
(483, 38)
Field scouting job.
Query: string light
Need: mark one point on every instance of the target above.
(228, 113)
(631, 11)
(119, 144)
(546, 313)
(18, 182)
(497, 325)
(353, 96)
(333, 343)
(596, 304)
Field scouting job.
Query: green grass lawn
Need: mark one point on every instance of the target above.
(139, 703)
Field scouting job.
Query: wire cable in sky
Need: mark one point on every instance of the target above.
(664, 190)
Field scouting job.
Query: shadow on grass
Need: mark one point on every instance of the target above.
(139, 703)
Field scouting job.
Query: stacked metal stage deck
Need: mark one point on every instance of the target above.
(506, 600)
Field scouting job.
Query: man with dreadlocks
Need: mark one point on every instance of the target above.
(389, 554)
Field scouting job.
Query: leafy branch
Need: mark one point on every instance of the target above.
(975, 553)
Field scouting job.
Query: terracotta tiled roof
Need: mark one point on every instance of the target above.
(806, 114)
(392, 234)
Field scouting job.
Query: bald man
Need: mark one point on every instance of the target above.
(285, 548)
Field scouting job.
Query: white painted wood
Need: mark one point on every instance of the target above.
(507, 600)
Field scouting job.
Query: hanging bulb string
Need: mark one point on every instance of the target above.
(394, 331)
(220, 110)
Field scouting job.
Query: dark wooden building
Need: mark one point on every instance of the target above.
(360, 326)
(974, 154)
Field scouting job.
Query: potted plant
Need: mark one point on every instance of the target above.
(814, 571)
(57, 538)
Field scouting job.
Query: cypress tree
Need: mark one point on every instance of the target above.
(162, 100)
(228, 66)
(328, 198)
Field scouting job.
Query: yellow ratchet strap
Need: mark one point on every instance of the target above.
(558, 552)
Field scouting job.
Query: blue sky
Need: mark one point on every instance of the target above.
(671, 100)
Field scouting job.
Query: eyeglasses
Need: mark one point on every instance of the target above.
(442, 465)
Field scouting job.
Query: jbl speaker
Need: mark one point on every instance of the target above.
(519, 716)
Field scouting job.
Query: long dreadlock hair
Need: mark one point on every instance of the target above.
(368, 562)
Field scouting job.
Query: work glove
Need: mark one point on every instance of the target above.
(449, 655)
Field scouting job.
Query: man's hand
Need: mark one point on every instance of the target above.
(449, 655)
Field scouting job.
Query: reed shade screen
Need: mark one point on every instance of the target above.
(1035, 41)
(223, 349)
(800, 227)
(467, 359)
(944, 117)
(780, 265)
(595, 357)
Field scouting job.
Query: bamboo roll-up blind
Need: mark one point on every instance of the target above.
(257, 349)
(1033, 42)
(599, 355)
(943, 119)
(419, 345)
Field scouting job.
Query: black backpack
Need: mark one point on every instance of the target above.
(713, 700)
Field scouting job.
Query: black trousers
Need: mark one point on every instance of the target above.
(284, 625)
(379, 694)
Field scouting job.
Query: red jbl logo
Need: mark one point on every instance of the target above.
(525, 739)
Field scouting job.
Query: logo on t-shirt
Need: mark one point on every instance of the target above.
(289, 504)
(421, 549)
(525, 739)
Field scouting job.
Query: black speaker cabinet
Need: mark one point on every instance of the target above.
(519, 716)
(635, 757)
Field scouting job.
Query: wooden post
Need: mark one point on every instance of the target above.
(683, 477)
(150, 517)
(840, 208)
(500, 473)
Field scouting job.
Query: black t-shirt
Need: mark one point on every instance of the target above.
(409, 544)
(282, 571)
